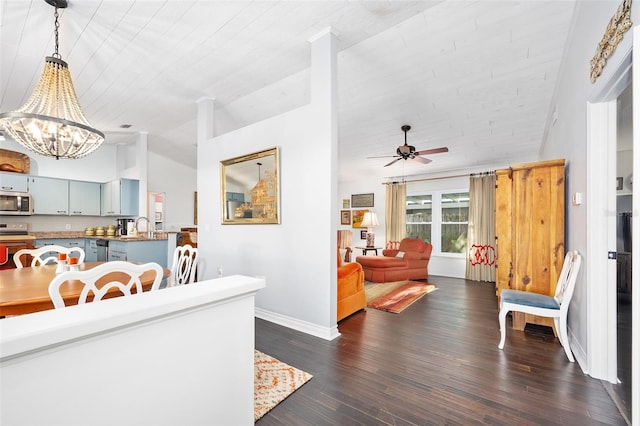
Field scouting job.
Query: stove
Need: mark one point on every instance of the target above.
(13, 237)
(16, 228)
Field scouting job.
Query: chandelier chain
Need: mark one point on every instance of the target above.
(56, 25)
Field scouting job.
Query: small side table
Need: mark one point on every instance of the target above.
(366, 249)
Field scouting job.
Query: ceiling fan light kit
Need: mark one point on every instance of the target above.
(51, 122)
(408, 152)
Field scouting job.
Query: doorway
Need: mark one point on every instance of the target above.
(621, 392)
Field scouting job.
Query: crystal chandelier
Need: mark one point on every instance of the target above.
(51, 123)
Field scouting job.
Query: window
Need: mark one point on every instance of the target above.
(455, 220)
(419, 217)
(440, 218)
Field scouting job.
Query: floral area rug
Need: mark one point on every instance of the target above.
(274, 381)
(396, 296)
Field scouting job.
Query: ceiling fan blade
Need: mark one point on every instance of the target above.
(384, 156)
(422, 160)
(433, 151)
(397, 159)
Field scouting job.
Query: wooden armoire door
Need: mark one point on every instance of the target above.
(503, 230)
(537, 231)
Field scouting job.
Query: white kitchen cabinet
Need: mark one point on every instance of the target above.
(50, 196)
(84, 198)
(13, 182)
(120, 197)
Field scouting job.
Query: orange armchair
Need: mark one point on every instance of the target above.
(351, 295)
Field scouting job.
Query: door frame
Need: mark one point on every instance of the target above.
(601, 223)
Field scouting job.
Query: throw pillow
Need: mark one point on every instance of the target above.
(400, 254)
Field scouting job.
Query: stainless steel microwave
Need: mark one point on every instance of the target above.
(15, 203)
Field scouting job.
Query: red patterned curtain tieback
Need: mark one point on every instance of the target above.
(482, 255)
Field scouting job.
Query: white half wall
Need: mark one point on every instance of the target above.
(182, 355)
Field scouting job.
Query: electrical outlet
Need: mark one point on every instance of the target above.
(67, 226)
(219, 271)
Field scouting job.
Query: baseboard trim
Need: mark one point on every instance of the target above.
(327, 333)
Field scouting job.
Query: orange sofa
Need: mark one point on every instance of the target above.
(351, 296)
(408, 262)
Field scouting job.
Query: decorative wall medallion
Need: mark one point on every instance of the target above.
(618, 25)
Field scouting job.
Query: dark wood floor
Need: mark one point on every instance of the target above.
(437, 362)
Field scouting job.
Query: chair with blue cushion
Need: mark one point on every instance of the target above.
(545, 306)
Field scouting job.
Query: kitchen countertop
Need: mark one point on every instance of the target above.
(16, 237)
(80, 234)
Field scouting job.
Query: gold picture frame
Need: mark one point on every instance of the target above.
(250, 188)
(357, 216)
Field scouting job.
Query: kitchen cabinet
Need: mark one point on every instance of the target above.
(50, 196)
(530, 231)
(142, 251)
(13, 182)
(235, 196)
(62, 242)
(84, 198)
(120, 197)
(91, 250)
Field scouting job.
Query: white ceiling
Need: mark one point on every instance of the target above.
(477, 77)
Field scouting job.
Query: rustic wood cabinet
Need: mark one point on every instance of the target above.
(530, 201)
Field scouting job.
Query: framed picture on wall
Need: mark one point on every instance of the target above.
(357, 216)
(363, 235)
(362, 200)
(345, 217)
(346, 203)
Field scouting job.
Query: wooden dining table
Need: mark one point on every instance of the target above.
(26, 290)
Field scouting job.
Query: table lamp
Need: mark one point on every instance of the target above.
(370, 220)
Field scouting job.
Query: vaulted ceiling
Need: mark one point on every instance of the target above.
(477, 77)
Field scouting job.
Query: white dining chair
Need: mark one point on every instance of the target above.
(555, 307)
(98, 281)
(47, 254)
(185, 263)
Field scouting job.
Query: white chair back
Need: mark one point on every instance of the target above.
(47, 254)
(185, 262)
(105, 278)
(567, 279)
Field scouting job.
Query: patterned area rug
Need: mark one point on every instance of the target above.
(274, 381)
(395, 296)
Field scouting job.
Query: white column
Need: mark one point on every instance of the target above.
(206, 114)
(324, 104)
(141, 155)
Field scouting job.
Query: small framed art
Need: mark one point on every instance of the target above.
(345, 217)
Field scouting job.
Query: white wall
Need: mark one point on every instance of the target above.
(295, 256)
(567, 138)
(179, 183)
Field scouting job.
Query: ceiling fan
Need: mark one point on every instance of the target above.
(408, 152)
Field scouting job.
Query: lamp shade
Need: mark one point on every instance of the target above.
(370, 220)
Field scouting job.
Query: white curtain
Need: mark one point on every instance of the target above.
(395, 211)
(481, 234)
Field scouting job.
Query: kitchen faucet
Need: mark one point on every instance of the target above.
(149, 231)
